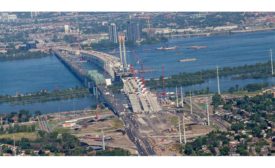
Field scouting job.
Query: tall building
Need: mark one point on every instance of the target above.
(113, 33)
(133, 31)
(66, 29)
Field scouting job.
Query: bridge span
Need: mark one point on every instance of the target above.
(110, 63)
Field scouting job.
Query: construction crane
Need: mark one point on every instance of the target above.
(142, 70)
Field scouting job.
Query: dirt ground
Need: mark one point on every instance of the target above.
(112, 128)
(89, 129)
(162, 130)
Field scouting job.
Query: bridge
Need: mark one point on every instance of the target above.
(95, 81)
(110, 63)
(140, 99)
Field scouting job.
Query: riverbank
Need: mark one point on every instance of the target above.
(44, 96)
(206, 34)
(256, 71)
(23, 55)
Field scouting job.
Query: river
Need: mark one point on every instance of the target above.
(222, 50)
(32, 75)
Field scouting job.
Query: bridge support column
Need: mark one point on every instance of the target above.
(95, 92)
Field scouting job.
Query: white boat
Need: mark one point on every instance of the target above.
(188, 60)
(167, 48)
(196, 47)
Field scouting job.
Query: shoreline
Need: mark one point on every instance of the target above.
(4, 58)
(211, 34)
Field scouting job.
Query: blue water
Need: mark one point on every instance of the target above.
(52, 106)
(32, 75)
(225, 84)
(223, 50)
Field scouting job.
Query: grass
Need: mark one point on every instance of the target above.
(18, 136)
(62, 130)
(116, 123)
(54, 124)
(174, 120)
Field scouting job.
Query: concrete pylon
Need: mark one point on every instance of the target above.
(181, 94)
(103, 140)
(207, 111)
(191, 106)
(184, 133)
(177, 98)
(180, 131)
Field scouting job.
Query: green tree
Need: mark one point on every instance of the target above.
(217, 100)
(188, 150)
(237, 126)
(224, 151)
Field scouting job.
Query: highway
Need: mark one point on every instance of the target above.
(116, 102)
(43, 124)
(143, 146)
(132, 136)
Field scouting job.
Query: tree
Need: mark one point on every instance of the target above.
(217, 100)
(37, 113)
(113, 152)
(224, 151)
(70, 39)
(227, 106)
(237, 126)
(188, 150)
(241, 149)
(256, 131)
(24, 143)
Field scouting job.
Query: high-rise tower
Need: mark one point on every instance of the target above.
(113, 33)
(133, 31)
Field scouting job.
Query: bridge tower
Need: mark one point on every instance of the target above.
(122, 51)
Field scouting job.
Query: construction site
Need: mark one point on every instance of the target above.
(141, 99)
(98, 129)
(141, 121)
